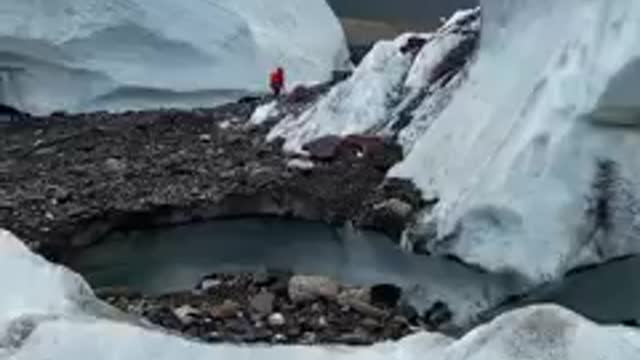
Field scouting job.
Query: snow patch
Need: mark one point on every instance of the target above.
(264, 113)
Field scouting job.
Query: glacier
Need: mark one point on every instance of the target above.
(50, 312)
(528, 145)
(86, 55)
(533, 161)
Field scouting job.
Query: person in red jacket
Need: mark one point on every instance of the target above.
(276, 81)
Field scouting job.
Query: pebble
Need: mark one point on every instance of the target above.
(309, 338)
(228, 309)
(186, 314)
(115, 165)
(322, 322)
(207, 284)
(277, 320)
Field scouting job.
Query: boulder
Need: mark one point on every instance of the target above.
(309, 288)
(438, 315)
(387, 295)
(263, 303)
(395, 207)
(324, 148)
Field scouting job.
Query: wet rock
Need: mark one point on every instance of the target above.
(277, 320)
(186, 314)
(438, 315)
(263, 303)
(387, 295)
(309, 288)
(228, 309)
(395, 207)
(409, 312)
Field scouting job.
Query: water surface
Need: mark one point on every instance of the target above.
(169, 259)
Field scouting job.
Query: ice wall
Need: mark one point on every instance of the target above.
(78, 55)
(535, 159)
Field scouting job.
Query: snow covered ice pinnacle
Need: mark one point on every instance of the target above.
(79, 55)
(517, 157)
(387, 84)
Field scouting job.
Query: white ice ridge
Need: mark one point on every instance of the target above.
(78, 55)
(385, 85)
(47, 312)
(535, 159)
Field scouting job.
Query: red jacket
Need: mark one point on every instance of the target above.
(276, 78)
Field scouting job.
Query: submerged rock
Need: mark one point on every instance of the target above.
(387, 295)
(237, 312)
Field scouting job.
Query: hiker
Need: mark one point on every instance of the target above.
(276, 81)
